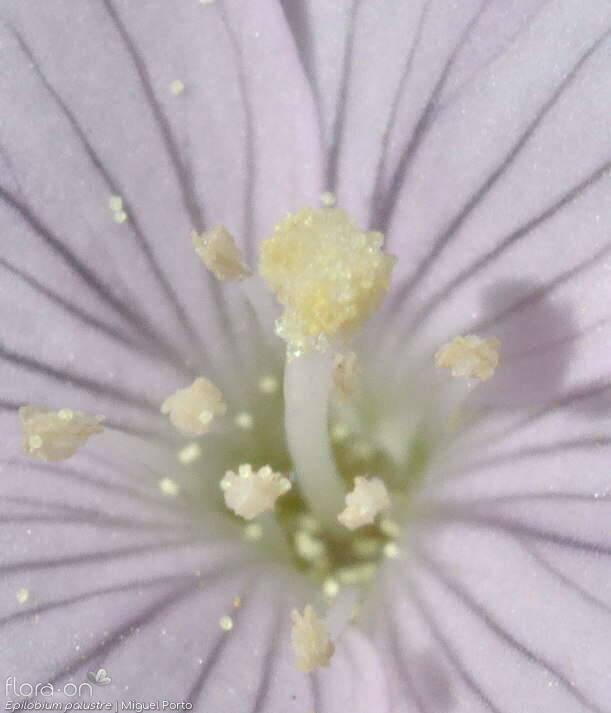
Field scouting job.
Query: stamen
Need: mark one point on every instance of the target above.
(470, 356)
(327, 273)
(310, 640)
(192, 410)
(346, 373)
(55, 435)
(177, 87)
(237, 602)
(220, 254)
(368, 498)
(249, 493)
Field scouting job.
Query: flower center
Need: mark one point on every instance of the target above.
(321, 456)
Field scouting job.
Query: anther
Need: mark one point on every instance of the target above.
(471, 357)
(310, 640)
(191, 410)
(368, 498)
(249, 492)
(55, 435)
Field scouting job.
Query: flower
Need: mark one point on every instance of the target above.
(475, 137)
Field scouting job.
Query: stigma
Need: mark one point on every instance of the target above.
(192, 410)
(55, 435)
(471, 357)
(249, 493)
(310, 639)
(328, 274)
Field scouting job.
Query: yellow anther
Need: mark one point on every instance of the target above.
(23, 595)
(367, 499)
(192, 410)
(250, 492)
(471, 357)
(310, 640)
(220, 254)
(327, 273)
(55, 435)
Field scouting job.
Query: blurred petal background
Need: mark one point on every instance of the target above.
(477, 136)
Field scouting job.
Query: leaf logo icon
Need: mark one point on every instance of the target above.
(100, 678)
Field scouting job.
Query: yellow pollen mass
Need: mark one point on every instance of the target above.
(55, 435)
(471, 357)
(23, 595)
(192, 410)
(327, 273)
(310, 640)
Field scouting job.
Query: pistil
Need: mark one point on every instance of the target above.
(329, 276)
(307, 388)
